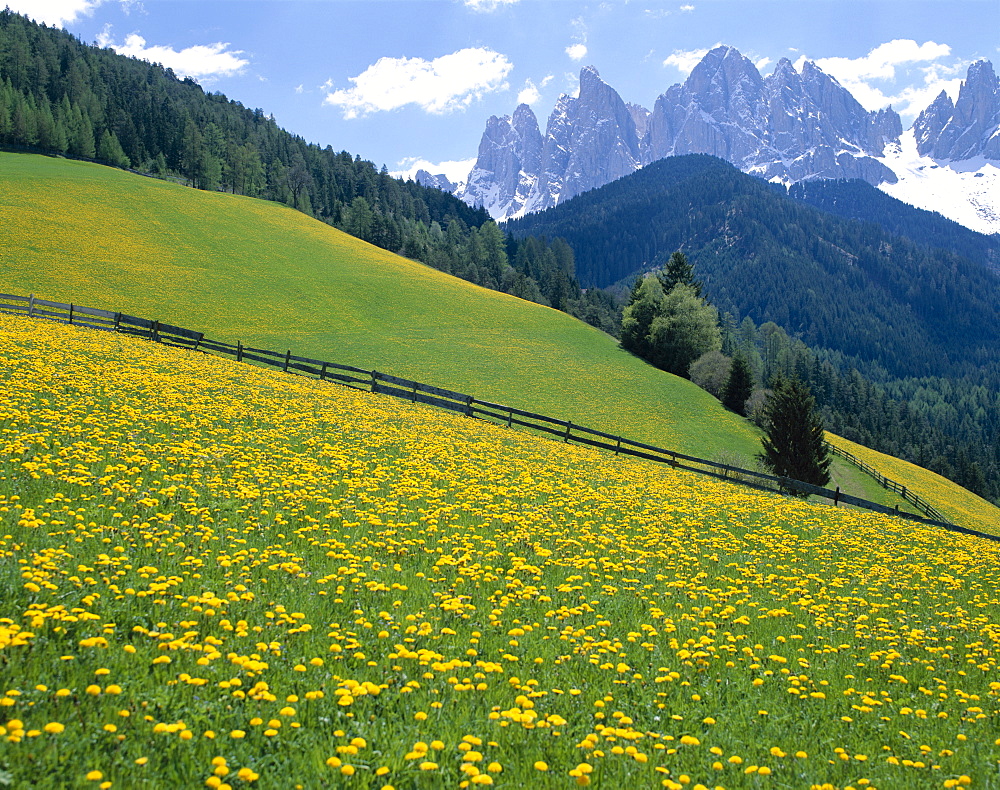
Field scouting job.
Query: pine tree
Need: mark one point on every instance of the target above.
(739, 386)
(678, 271)
(794, 445)
(639, 316)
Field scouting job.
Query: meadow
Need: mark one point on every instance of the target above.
(220, 576)
(244, 269)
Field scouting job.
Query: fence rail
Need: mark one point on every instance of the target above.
(915, 500)
(417, 392)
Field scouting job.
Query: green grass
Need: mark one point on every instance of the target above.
(215, 573)
(254, 271)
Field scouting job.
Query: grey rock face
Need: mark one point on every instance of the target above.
(508, 163)
(788, 126)
(968, 128)
(589, 141)
(439, 181)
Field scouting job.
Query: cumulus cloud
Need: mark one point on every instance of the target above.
(531, 92)
(901, 73)
(687, 8)
(762, 64)
(684, 60)
(450, 82)
(202, 62)
(578, 49)
(488, 5)
(53, 12)
(882, 61)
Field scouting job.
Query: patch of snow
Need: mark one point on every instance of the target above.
(967, 192)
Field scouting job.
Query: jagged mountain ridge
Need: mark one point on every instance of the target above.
(790, 126)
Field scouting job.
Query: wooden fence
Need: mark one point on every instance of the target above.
(417, 392)
(918, 502)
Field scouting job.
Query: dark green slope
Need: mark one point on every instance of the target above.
(856, 199)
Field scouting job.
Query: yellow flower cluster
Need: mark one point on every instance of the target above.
(225, 577)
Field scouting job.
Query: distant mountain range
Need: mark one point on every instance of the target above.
(788, 127)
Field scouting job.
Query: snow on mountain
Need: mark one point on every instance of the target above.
(966, 191)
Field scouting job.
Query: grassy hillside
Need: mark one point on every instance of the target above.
(226, 577)
(243, 269)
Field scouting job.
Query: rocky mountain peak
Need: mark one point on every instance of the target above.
(968, 128)
(792, 125)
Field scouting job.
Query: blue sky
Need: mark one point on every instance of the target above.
(404, 81)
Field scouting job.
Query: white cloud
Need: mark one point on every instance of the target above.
(487, 5)
(450, 82)
(531, 93)
(300, 89)
(882, 61)
(202, 62)
(455, 170)
(901, 73)
(687, 8)
(684, 60)
(53, 12)
(576, 51)
(762, 64)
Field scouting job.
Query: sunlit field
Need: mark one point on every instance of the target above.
(218, 576)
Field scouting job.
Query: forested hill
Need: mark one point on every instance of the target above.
(881, 300)
(859, 200)
(58, 95)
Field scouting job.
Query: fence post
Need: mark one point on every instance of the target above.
(468, 405)
(322, 372)
(618, 446)
(288, 353)
(239, 350)
(31, 305)
(836, 496)
(374, 372)
(413, 395)
(154, 332)
(569, 426)
(197, 341)
(71, 312)
(118, 322)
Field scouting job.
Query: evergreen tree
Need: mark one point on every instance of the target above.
(110, 150)
(794, 445)
(678, 271)
(638, 316)
(739, 386)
